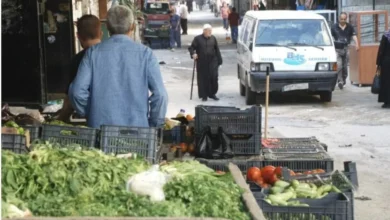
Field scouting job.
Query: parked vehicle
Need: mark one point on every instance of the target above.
(296, 47)
(157, 20)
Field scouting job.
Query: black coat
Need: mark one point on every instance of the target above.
(383, 61)
(209, 59)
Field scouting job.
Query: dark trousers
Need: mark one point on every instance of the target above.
(234, 33)
(175, 38)
(342, 64)
(183, 23)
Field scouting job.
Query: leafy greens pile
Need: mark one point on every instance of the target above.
(75, 182)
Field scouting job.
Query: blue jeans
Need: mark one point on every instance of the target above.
(234, 32)
(225, 23)
(175, 37)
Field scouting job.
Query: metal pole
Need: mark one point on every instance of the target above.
(266, 104)
(373, 4)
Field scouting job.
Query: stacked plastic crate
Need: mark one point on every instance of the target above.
(243, 128)
(297, 154)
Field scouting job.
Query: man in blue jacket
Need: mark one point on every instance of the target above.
(115, 77)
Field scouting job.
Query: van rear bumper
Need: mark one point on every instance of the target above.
(317, 81)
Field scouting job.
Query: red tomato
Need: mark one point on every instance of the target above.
(264, 185)
(267, 172)
(278, 171)
(320, 171)
(273, 178)
(307, 172)
(259, 181)
(253, 174)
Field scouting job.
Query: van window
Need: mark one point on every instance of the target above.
(247, 31)
(293, 32)
(242, 30)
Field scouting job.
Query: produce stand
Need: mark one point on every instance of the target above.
(369, 27)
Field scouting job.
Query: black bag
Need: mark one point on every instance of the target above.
(215, 146)
(224, 142)
(204, 148)
(376, 85)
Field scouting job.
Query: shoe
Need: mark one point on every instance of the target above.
(386, 105)
(173, 50)
(214, 97)
(341, 85)
(204, 99)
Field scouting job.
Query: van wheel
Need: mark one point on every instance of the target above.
(326, 96)
(260, 98)
(250, 97)
(242, 88)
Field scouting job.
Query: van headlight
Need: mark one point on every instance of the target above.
(323, 67)
(260, 67)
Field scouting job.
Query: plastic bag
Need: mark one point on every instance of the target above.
(149, 183)
(227, 36)
(204, 147)
(225, 144)
(214, 146)
(376, 85)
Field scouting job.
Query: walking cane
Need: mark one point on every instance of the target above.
(266, 104)
(193, 76)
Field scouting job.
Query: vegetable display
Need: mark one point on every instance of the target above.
(60, 181)
(283, 191)
(268, 175)
(12, 124)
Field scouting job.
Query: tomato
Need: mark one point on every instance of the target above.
(273, 178)
(183, 147)
(307, 172)
(267, 172)
(278, 171)
(264, 185)
(253, 174)
(259, 181)
(320, 171)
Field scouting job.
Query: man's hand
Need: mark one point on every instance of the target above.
(357, 47)
(195, 56)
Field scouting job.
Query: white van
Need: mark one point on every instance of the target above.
(296, 46)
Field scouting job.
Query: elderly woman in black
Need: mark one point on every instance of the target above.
(383, 62)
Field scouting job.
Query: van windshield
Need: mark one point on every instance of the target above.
(157, 8)
(297, 32)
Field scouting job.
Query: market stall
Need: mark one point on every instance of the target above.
(184, 169)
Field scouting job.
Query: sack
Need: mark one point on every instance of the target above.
(214, 146)
(376, 84)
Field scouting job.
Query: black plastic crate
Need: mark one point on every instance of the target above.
(66, 135)
(242, 144)
(122, 140)
(14, 142)
(232, 120)
(223, 164)
(176, 135)
(335, 206)
(35, 131)
(300, 163)
(292, 145)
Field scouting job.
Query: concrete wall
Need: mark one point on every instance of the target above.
(367, 21)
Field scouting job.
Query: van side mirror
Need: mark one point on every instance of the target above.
(250, 45)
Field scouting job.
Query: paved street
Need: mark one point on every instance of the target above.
(353, 126)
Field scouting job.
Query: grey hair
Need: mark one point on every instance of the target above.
(119, 19)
